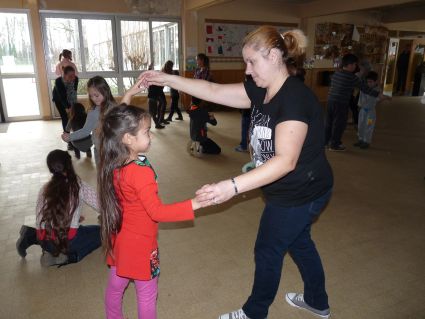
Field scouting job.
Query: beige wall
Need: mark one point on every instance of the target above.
(270, 12)
(15, 4)
(238, 10)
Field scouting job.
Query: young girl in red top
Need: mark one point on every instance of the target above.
(131, 209)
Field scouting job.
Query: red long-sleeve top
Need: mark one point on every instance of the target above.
(135, 246)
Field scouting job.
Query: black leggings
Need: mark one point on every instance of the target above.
(174, 107)
(64, 116)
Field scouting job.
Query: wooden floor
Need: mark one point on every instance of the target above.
(371, 236)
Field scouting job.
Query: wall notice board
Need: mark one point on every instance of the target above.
(223, 38)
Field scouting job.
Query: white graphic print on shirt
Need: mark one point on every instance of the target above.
(261, 137)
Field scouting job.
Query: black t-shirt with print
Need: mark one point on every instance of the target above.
(312, 176)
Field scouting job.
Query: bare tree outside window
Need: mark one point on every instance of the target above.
(15, 44)
(135, 47)
(62, 33)
(92, 41)
(98, 47)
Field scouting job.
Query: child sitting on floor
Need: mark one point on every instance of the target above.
(58, 216)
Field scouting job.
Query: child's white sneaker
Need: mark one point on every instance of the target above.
(195, 148)
(237, 314)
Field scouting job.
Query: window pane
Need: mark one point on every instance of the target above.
(165, 43)
(19, 104)
(98, 47)
(135, 45)
(62, 34)
(15, 44)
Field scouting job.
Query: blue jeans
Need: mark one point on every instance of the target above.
(85, 241)
(287, 229)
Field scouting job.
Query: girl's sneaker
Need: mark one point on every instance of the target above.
(47, 259)
(297, 300)
(194, 148)
(238, 314)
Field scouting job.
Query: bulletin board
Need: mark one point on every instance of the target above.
(223, 38)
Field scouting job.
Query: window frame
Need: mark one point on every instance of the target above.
(115, 19)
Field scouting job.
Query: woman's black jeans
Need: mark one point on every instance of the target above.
(282, 230)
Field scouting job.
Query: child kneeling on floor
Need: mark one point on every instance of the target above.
(200, 143)
(58, 215)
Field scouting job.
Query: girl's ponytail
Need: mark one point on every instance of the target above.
(61, 199)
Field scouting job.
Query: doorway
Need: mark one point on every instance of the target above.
(18, 85)
(390, 71)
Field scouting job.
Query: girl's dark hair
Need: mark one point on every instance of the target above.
(205, 60)
(291, 43)
(77, 116)
(100, 84)
(168, 67)
(61, 199)
(66, 54)
(113, 154)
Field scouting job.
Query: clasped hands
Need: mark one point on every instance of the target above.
(65, 137)
(213, 194)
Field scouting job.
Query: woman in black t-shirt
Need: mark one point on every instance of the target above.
(287, 138)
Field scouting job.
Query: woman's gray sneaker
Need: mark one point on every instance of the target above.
(297, 300)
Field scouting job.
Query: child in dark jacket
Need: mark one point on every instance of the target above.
(76, 122)
(199, 117)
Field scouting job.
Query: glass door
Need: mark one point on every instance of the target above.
(391, 66)
(18, 85)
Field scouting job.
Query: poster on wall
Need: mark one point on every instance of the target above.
(224, 38)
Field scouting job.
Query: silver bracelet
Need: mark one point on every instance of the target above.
(234, 186)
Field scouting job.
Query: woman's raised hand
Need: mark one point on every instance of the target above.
(152, 77)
